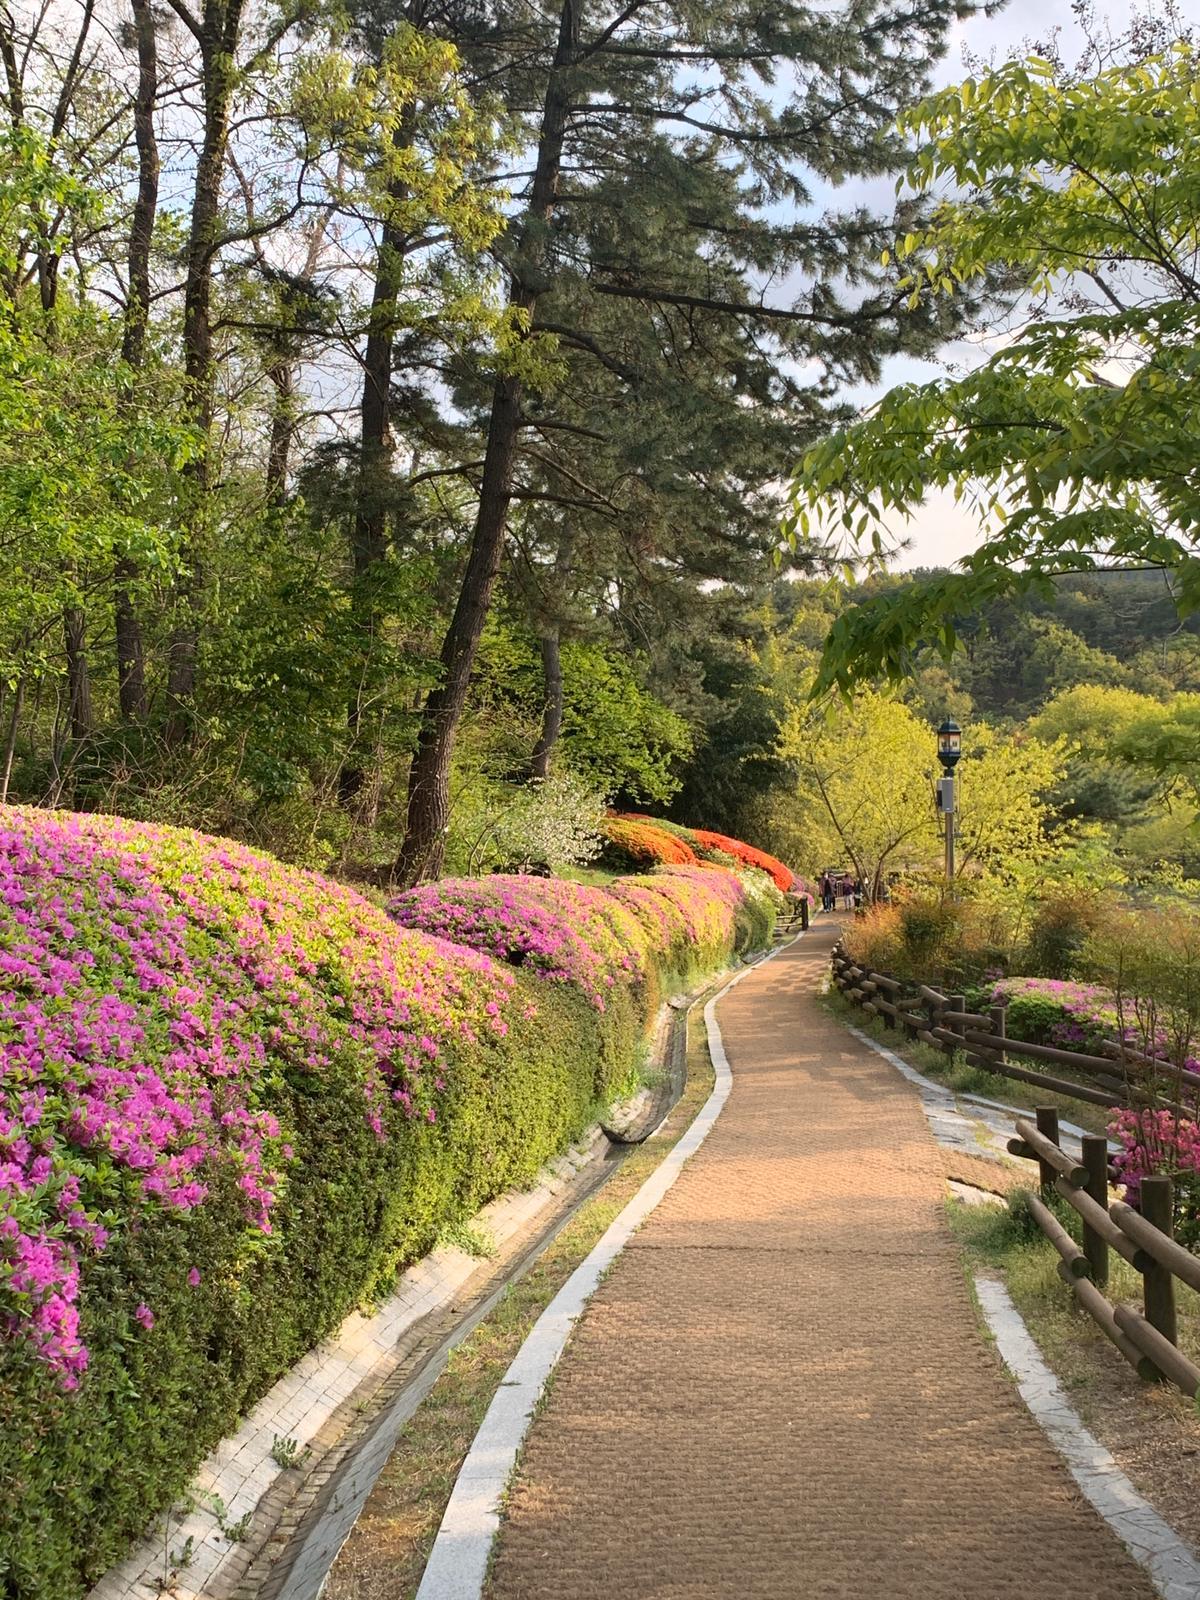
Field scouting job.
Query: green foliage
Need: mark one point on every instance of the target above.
(925, 938)
(1150, 960)
(545, 825)
(1058, 932)
(618, 736)
(88, 458)
(154, 1402)
(1092, 181)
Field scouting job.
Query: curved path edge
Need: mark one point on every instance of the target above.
(1152, 1542)
(458, 1562)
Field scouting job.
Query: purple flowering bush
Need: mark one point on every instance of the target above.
(1073, 1016)
(236, 1096)
(617, 945)
(566, 932)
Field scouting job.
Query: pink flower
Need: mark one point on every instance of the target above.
(193, 1277)
(145, 1316)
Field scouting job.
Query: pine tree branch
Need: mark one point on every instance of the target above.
(735, 308)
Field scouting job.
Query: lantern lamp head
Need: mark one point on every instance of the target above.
(949, 744)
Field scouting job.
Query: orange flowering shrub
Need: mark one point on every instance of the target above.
(646, 844)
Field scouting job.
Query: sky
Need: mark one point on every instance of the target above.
(941, 532)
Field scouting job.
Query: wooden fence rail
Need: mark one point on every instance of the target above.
(1148, 1339)
(942, 1020)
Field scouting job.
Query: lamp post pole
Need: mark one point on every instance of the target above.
(950, 836)
(949, 748)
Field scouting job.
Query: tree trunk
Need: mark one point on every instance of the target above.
(131, 653)
(10, 743)
(428, 782)
(283, 421)
(79, 683)
(552, 703)
(368, 540)
(219, 32)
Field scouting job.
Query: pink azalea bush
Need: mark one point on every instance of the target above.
(236, 1096)
(616, 944)
(1071, 1015)
(1077, 1016)
(567, 932)
(153, 983)
(1158, 1143)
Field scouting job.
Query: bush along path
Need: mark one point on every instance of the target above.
(238, 1096)
(782, 1387)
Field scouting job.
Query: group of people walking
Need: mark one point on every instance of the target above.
(840, 886)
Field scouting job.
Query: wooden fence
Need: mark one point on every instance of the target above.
(942, 1019)
(1148, 1339)
(1143, 1237)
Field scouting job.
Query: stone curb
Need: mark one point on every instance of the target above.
(1172, 1567)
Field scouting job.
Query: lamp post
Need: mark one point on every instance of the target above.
(949, 748)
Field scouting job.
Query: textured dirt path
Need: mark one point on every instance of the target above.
(781, 1389)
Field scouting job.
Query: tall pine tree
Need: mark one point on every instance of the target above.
(670, 208)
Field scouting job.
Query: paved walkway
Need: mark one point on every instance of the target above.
(781, 1390)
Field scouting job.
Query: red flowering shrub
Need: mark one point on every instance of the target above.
(676, 829)
(703, 842)
(1158, 1143)
(748, 855)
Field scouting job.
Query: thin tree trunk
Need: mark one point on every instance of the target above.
(428, 783)
(10, 743)
(552, 703)
(219, 33)
(79, 684)
(131, 651)
(283, 423)
(368, 539)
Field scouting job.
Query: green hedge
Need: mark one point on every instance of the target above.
(327, 999)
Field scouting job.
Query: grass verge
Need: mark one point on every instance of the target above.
(1152, 1429)
(386, 1553)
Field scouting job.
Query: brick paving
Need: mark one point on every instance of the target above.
(781, 1389)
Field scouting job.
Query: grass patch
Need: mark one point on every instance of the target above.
(594, 875)
(473, 1238)
(958, 1075)
(1008, 1240)
(387, 1551)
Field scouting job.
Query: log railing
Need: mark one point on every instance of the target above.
(1143, 1237)
(942, 1020)
(1148, 1339)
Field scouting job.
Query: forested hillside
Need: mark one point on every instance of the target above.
(1097, 668)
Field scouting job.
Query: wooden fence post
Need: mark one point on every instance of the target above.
(1095, 1159)
(954, 1002)
(803, 913)
(1047, 1125)
(906, 1003)
(1157, 1205)
(996, 1013)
